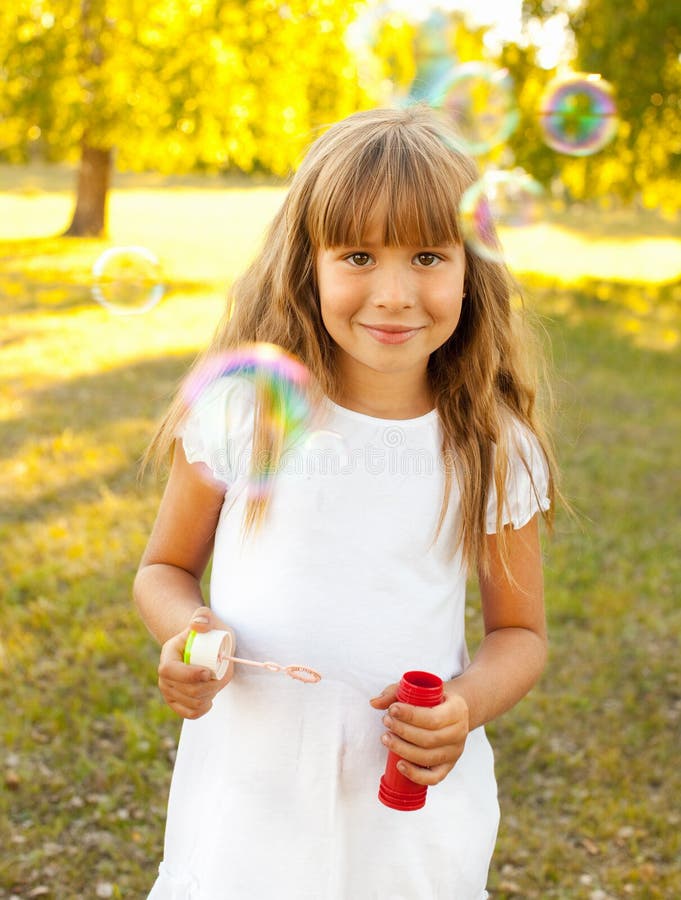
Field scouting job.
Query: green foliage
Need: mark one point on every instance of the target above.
(408, 57)
(527, 143)
(638, 52)
(174, 86)
(392, 49)
(636, 48)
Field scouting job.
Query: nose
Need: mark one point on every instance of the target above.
(393, 289)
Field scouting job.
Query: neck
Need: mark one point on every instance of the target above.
(385, 395)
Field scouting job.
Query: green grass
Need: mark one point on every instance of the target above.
(587, 764)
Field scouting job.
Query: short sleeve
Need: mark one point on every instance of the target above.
(217, 431)
(527, 481)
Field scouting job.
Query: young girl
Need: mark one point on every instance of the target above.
(359, 569)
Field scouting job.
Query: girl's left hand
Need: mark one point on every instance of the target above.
(430, 740)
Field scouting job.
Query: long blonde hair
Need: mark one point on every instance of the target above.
(405, 161)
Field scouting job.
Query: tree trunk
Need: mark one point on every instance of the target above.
(89, 216)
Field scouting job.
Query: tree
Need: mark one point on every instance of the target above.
(404, 59)
(527, 143)
(172, 85)
(635, 46)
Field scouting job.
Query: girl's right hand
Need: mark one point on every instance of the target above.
(189, 690)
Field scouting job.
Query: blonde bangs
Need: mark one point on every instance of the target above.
(415, 188)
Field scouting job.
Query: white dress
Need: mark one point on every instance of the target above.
(274, 792)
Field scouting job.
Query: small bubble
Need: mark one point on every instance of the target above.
(578, 115)
(478, 100)
(127, 281)
(498, 198)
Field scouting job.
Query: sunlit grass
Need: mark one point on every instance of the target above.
(568, 255)
(587, 764)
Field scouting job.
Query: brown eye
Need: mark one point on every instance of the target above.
(427, 260)
(360, 259)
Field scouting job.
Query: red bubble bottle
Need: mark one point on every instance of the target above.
(396, 790)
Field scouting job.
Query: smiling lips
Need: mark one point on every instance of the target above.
(391, 334)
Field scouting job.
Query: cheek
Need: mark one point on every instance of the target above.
(337, 301)
(448, 309)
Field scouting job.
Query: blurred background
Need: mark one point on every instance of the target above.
(144, 146)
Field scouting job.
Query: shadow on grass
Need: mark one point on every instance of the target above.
(53, 500)
(94, 401)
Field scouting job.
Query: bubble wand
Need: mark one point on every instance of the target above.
(213, 650)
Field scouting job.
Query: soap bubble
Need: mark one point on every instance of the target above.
(477, 98)
(432, 54)
(578, 115)
(280, 380)
(498, 198)
(325, 452)
(281, 375)
(127, 280)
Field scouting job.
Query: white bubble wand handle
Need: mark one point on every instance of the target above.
(213, 649)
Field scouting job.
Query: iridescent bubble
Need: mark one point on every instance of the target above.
(128, 280)
(267, 363)
(477, 98)
(578, 115)
(281, 384)
(498, 198)
(432, 55)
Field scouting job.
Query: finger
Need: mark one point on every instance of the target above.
(173, 649)
(452, 710)
(189, 712)
(421, 775)
(197, 691)
(421, 756)
(427, 738)
(204, 619)
(385, 698)
(201, 619)
(192, 704)
(176, 670)
(177, 700)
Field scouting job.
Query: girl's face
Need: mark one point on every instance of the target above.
(389, 308)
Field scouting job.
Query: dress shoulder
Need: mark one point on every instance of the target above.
(527, 480)
(218, 428)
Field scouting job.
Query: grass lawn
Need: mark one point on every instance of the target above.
(587, 764)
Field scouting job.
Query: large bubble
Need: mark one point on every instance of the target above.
(578, 115)
(281, 381)
(127, 280)
(477, 98)
(262, 362)
(498, 199)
